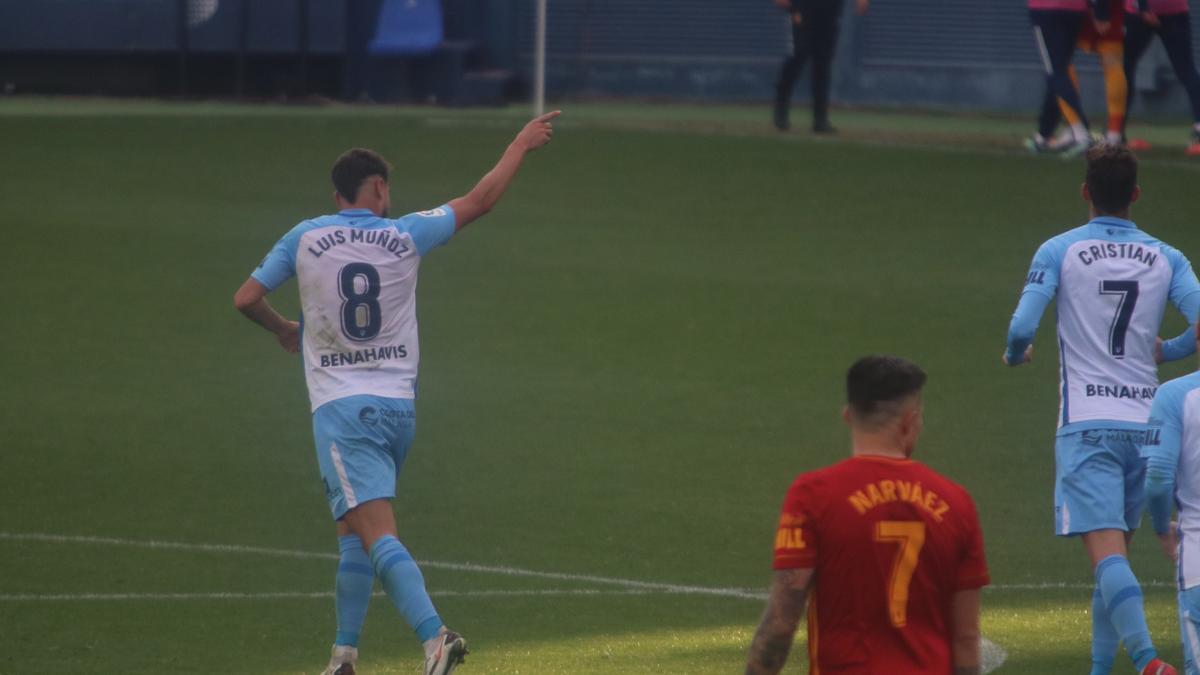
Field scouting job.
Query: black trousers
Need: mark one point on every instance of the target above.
(814, 37)
(1056, 32)
(361, 17)
(1175, 30)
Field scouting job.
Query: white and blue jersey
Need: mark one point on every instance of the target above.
(358, 279)
(1172, 452)
(1112, 282)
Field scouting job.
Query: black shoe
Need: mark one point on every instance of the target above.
(823, 127)
(781, 118)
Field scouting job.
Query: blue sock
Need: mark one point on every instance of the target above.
(1105, 640)
(405, 586)
(1123, 598)
(352, 590)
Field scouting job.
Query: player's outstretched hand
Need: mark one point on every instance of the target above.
(1027, 357)
(1151, 19)
(289, 339)
(539, 131)
(1102, 27)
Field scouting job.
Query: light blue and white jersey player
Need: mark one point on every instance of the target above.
(1172, 452)
(358, 294)
(1113, 282)
(357, 273)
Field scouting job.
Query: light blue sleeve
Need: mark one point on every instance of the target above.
(1040, 286)
(1185, 295)
(1164, 437)
(1183, 278)
(429, 229)
(280, 263)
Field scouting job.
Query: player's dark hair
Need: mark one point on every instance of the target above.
(1111, 177)
(875, 385)
(353, 168)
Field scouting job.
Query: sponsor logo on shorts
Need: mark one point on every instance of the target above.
(1127, 435)
(1093, 439)
(371, 416)
(331, 493)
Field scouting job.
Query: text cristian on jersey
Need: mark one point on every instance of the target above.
(382, 238)
(1136, 252)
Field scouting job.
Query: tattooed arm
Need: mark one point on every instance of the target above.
(965, 631)
(785, 606)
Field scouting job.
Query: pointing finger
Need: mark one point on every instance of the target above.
(548, 116)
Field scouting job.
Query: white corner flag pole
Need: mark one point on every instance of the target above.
(539, 62)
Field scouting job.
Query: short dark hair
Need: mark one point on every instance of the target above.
(1111, 177)
(876, 385)
(353, 168)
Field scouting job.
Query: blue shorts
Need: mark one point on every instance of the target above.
(1099, 482)
(361, 444)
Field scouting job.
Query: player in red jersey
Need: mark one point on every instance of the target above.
(891, 552)
(1104, 37)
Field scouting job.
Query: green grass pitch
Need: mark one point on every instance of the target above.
(623, 368)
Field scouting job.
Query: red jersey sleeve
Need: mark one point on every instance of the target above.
(796, 537)
(972, 566)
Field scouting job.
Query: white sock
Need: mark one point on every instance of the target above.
(434, 643)
(1112, 137)
(1080, 131)
(1196, 126)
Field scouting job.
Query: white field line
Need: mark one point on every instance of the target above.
(994, 656)
(627, 584)
(302, 595)
(718, 128)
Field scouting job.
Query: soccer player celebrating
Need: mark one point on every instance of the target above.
(1172, 451)
(1113, 282)
(357, 273)
(891, 552)
(1171, 22)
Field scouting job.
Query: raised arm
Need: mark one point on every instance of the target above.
(251, 300)
(785, 606)
(491, 187)
(964, 633)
